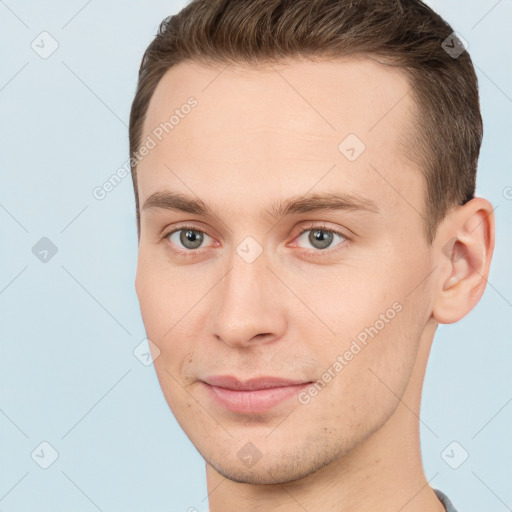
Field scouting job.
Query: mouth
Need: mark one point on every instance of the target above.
(254, 396)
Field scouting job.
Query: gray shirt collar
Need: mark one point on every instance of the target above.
(448, 505)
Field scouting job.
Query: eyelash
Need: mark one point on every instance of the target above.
(309, 252)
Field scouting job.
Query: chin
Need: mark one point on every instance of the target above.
(276, 469)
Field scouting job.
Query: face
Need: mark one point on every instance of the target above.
(308, 263)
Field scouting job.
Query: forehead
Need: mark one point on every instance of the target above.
(324, 98)
(289, 122)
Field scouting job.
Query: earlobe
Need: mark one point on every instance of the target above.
(464, 252)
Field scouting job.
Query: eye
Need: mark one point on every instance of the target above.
(321, 237)
(186, 241)
(187, 237)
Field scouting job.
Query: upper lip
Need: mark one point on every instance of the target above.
(265, 382)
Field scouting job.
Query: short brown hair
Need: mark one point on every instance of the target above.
(407, 34)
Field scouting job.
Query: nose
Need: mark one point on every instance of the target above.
(251, 304)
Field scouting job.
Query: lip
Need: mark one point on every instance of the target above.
(253, 396)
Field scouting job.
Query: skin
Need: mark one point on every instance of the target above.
(257, 137)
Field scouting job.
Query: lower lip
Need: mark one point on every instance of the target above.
(253, 402)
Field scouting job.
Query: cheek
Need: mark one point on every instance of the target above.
(377, 325)
(346, 304)
(364, 380)
(157, 296)
(162, 308)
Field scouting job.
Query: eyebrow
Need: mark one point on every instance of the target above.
(314, 202)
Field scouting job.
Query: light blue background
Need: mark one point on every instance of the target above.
(68, 327)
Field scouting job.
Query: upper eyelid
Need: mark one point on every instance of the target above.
(183, 228)
(313, 225)
(320, 225)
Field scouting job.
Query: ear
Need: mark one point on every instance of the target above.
(463, 249)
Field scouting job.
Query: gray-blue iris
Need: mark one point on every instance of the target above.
(195, 238)
(320, 236)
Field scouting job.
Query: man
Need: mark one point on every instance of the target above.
(304, 176)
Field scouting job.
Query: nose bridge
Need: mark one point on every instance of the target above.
(247, 304)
